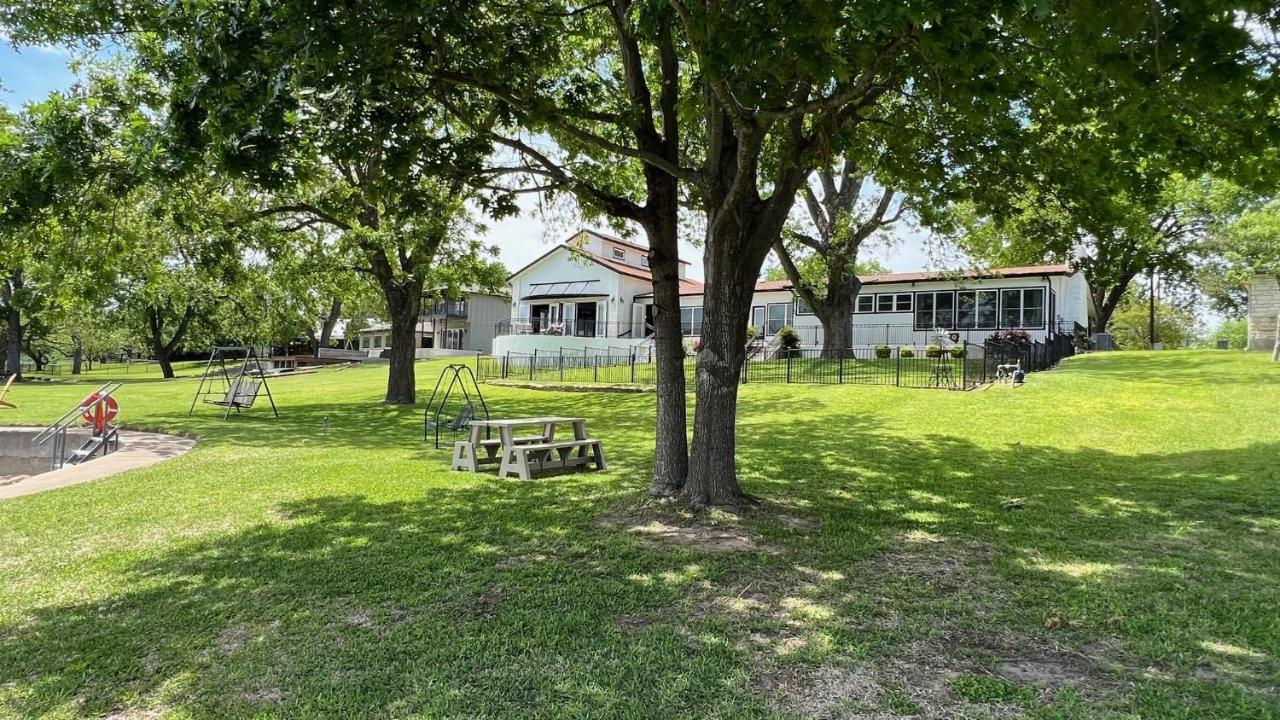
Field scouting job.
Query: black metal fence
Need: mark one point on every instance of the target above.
(960, 367)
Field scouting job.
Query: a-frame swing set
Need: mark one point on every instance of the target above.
(232, 388)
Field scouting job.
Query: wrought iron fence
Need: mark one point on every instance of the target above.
(959, 367)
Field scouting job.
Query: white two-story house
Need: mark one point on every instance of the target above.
(594, 291)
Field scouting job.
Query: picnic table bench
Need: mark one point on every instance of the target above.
(522, 455)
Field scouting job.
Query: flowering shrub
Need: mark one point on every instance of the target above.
(1010, 337)
(884, 352)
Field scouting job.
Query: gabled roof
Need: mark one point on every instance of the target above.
(620, 268)
(620, 241)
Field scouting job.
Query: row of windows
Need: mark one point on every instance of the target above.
(884, 302)
(981, 309)
(959, 309)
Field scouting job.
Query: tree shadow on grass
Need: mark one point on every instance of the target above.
(503, 598)
(1174, 558)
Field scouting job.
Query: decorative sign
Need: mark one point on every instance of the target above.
(955, 337)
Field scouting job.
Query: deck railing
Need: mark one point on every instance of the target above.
(570, 328)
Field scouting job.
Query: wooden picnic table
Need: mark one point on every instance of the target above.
(520, 454)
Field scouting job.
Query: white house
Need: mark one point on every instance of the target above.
(594, 293)
(907, 309)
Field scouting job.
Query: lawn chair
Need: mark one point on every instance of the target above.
(5, 391)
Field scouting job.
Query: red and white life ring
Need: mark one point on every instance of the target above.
(98, 414)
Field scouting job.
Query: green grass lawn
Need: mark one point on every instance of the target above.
(1103, 542)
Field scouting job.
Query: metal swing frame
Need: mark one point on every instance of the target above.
(459, 375)
(231, 387)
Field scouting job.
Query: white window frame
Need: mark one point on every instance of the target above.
(1021, 322)
(619, 253)
(977, 325)
(800, 303)
(857, 302)
(933, 321)
(687, 327)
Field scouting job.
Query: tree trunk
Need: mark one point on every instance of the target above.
(13, 325)
(13, 348)
(836, 314)
(726, 310)
(163, 359)
(330, 322)
(404, 304)
(77, 359)
(671, 441)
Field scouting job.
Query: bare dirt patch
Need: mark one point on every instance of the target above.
(710, 532)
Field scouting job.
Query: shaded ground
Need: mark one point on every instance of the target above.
(1100, 543)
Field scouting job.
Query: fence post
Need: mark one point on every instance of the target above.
(840, 371)
(897, 373)
(788, 352)
(506, 365)
(595, 368)
(633, 366)
(532, 362)
(561, 363)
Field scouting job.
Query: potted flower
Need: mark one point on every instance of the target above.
(957, 351)
(933, 351)
(906, 352)
(884, 352)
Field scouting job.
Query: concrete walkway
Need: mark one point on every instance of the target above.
(137, 450)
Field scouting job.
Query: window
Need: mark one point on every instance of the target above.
(778, 316)
(865, 304)
(935, 310)
(691, 320)
(976, 308)
(757, 317)
(644, 260)
(802, 307)
(1022, 308)
(619, 254)
(893, 302)
(364, 342)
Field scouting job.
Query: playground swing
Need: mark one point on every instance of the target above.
(437, 415)
(233, 388)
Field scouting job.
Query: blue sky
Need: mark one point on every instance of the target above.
(31, 73)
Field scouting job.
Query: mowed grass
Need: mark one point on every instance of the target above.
(1103, 542)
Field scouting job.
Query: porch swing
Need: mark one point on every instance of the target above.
(233, 388)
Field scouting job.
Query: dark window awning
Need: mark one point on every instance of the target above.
(561, 290)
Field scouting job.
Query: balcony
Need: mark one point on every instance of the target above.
(446, 309)
(570, 328)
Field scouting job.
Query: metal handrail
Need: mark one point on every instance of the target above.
(103, 392)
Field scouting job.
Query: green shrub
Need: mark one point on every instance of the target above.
(933, 351)
(884, 352)
(906, 352)
(957, 351)
(788, 338)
